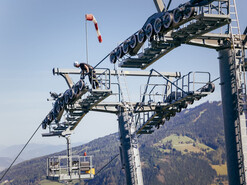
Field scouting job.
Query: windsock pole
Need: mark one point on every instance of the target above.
(86, 43)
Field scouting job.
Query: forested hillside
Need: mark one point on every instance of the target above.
(189, 149)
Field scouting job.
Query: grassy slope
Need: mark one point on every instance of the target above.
(220, 169)
(183, 144)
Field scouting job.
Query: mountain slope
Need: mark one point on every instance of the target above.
(162, 163)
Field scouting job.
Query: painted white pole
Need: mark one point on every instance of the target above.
(86, 42)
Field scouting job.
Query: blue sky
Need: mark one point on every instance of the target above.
(37, 35)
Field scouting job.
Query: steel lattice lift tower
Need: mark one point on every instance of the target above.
(196, 22)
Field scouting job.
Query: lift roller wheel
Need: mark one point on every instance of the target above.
(141, 37)
(136, 42)
(157, 125)
(61, 102)
(184, 105)
(125, 47)
(189, 10)
(61, 105)
(157, 25)
(44, 123)
(173, 113)
(81, 85)
(133, 41)
(167, 117)
(64, 101)
(190, 101)
(177, 15)
(50, 117)
(113, 57)
(78, 86)
(210, 87)
(66, 97)
(179, 108)
(71, 94)
(167, 19)
(198, 98)
(149, 30)
(55, 112)
(119, 52)
(57, 107)
(163, 121)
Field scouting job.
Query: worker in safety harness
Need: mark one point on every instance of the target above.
(87, 69)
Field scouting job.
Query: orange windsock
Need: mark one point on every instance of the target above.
(90, 17)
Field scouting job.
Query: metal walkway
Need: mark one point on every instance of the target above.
(74, 104)
(177, 96)
(161, 45)
(165, 112)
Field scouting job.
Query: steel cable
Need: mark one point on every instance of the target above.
(20, 153)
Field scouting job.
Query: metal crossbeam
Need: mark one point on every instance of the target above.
(58, 71)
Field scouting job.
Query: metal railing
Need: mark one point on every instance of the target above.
(190, 82)
(167, 85)
(176, 96)
(103, 79)
(187, 84)
(218, 7)
(153, 94)
(81, 167)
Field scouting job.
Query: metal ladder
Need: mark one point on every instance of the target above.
(239, 53)
(238, 58)
(124, 92)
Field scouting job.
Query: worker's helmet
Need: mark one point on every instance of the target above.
(76, 64)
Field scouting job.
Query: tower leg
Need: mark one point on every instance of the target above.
(69, 152)
(234, 122)
(129, 148)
